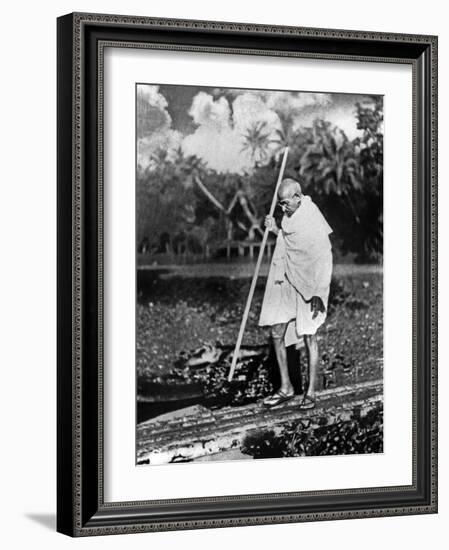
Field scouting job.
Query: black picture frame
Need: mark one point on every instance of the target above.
(81, 510)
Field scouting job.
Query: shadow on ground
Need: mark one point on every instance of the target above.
(46, 520)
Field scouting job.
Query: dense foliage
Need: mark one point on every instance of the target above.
(184, 207)
(178, 316)
(355, 436)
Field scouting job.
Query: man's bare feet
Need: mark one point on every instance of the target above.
(307, 402)
(277, 398)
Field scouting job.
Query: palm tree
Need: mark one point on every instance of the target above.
(257, 140)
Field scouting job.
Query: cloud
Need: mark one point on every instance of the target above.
(225, 124)
(168, 141)
(152, 114)
(206, 111)
(220, 137)
(294, 103)
(342, 114)
(153, 125)
(249, 108)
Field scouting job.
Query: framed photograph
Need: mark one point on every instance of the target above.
(247, 274)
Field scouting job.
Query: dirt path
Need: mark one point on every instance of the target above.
(235, 270)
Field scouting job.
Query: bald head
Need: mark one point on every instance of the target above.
(289, 196)
(289, 187)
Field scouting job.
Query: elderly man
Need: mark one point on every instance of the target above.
(297, 290)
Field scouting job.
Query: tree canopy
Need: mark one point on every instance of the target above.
(181, 201)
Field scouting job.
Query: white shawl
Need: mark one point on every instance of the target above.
(302, 250)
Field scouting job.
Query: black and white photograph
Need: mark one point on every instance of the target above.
(259, 303)
(221, 272)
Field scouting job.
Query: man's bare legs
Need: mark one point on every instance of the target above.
(277, 333)
(311, 343)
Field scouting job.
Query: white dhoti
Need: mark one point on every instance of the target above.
(300, 269)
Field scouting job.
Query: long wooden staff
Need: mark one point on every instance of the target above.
(256, 272)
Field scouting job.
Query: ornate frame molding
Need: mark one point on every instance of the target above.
(81, 41)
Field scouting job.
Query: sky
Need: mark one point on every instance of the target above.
(211, 122)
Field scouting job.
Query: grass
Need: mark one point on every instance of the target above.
(177, 314)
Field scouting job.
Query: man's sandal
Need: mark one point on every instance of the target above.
(277, 398)
(307, 402)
